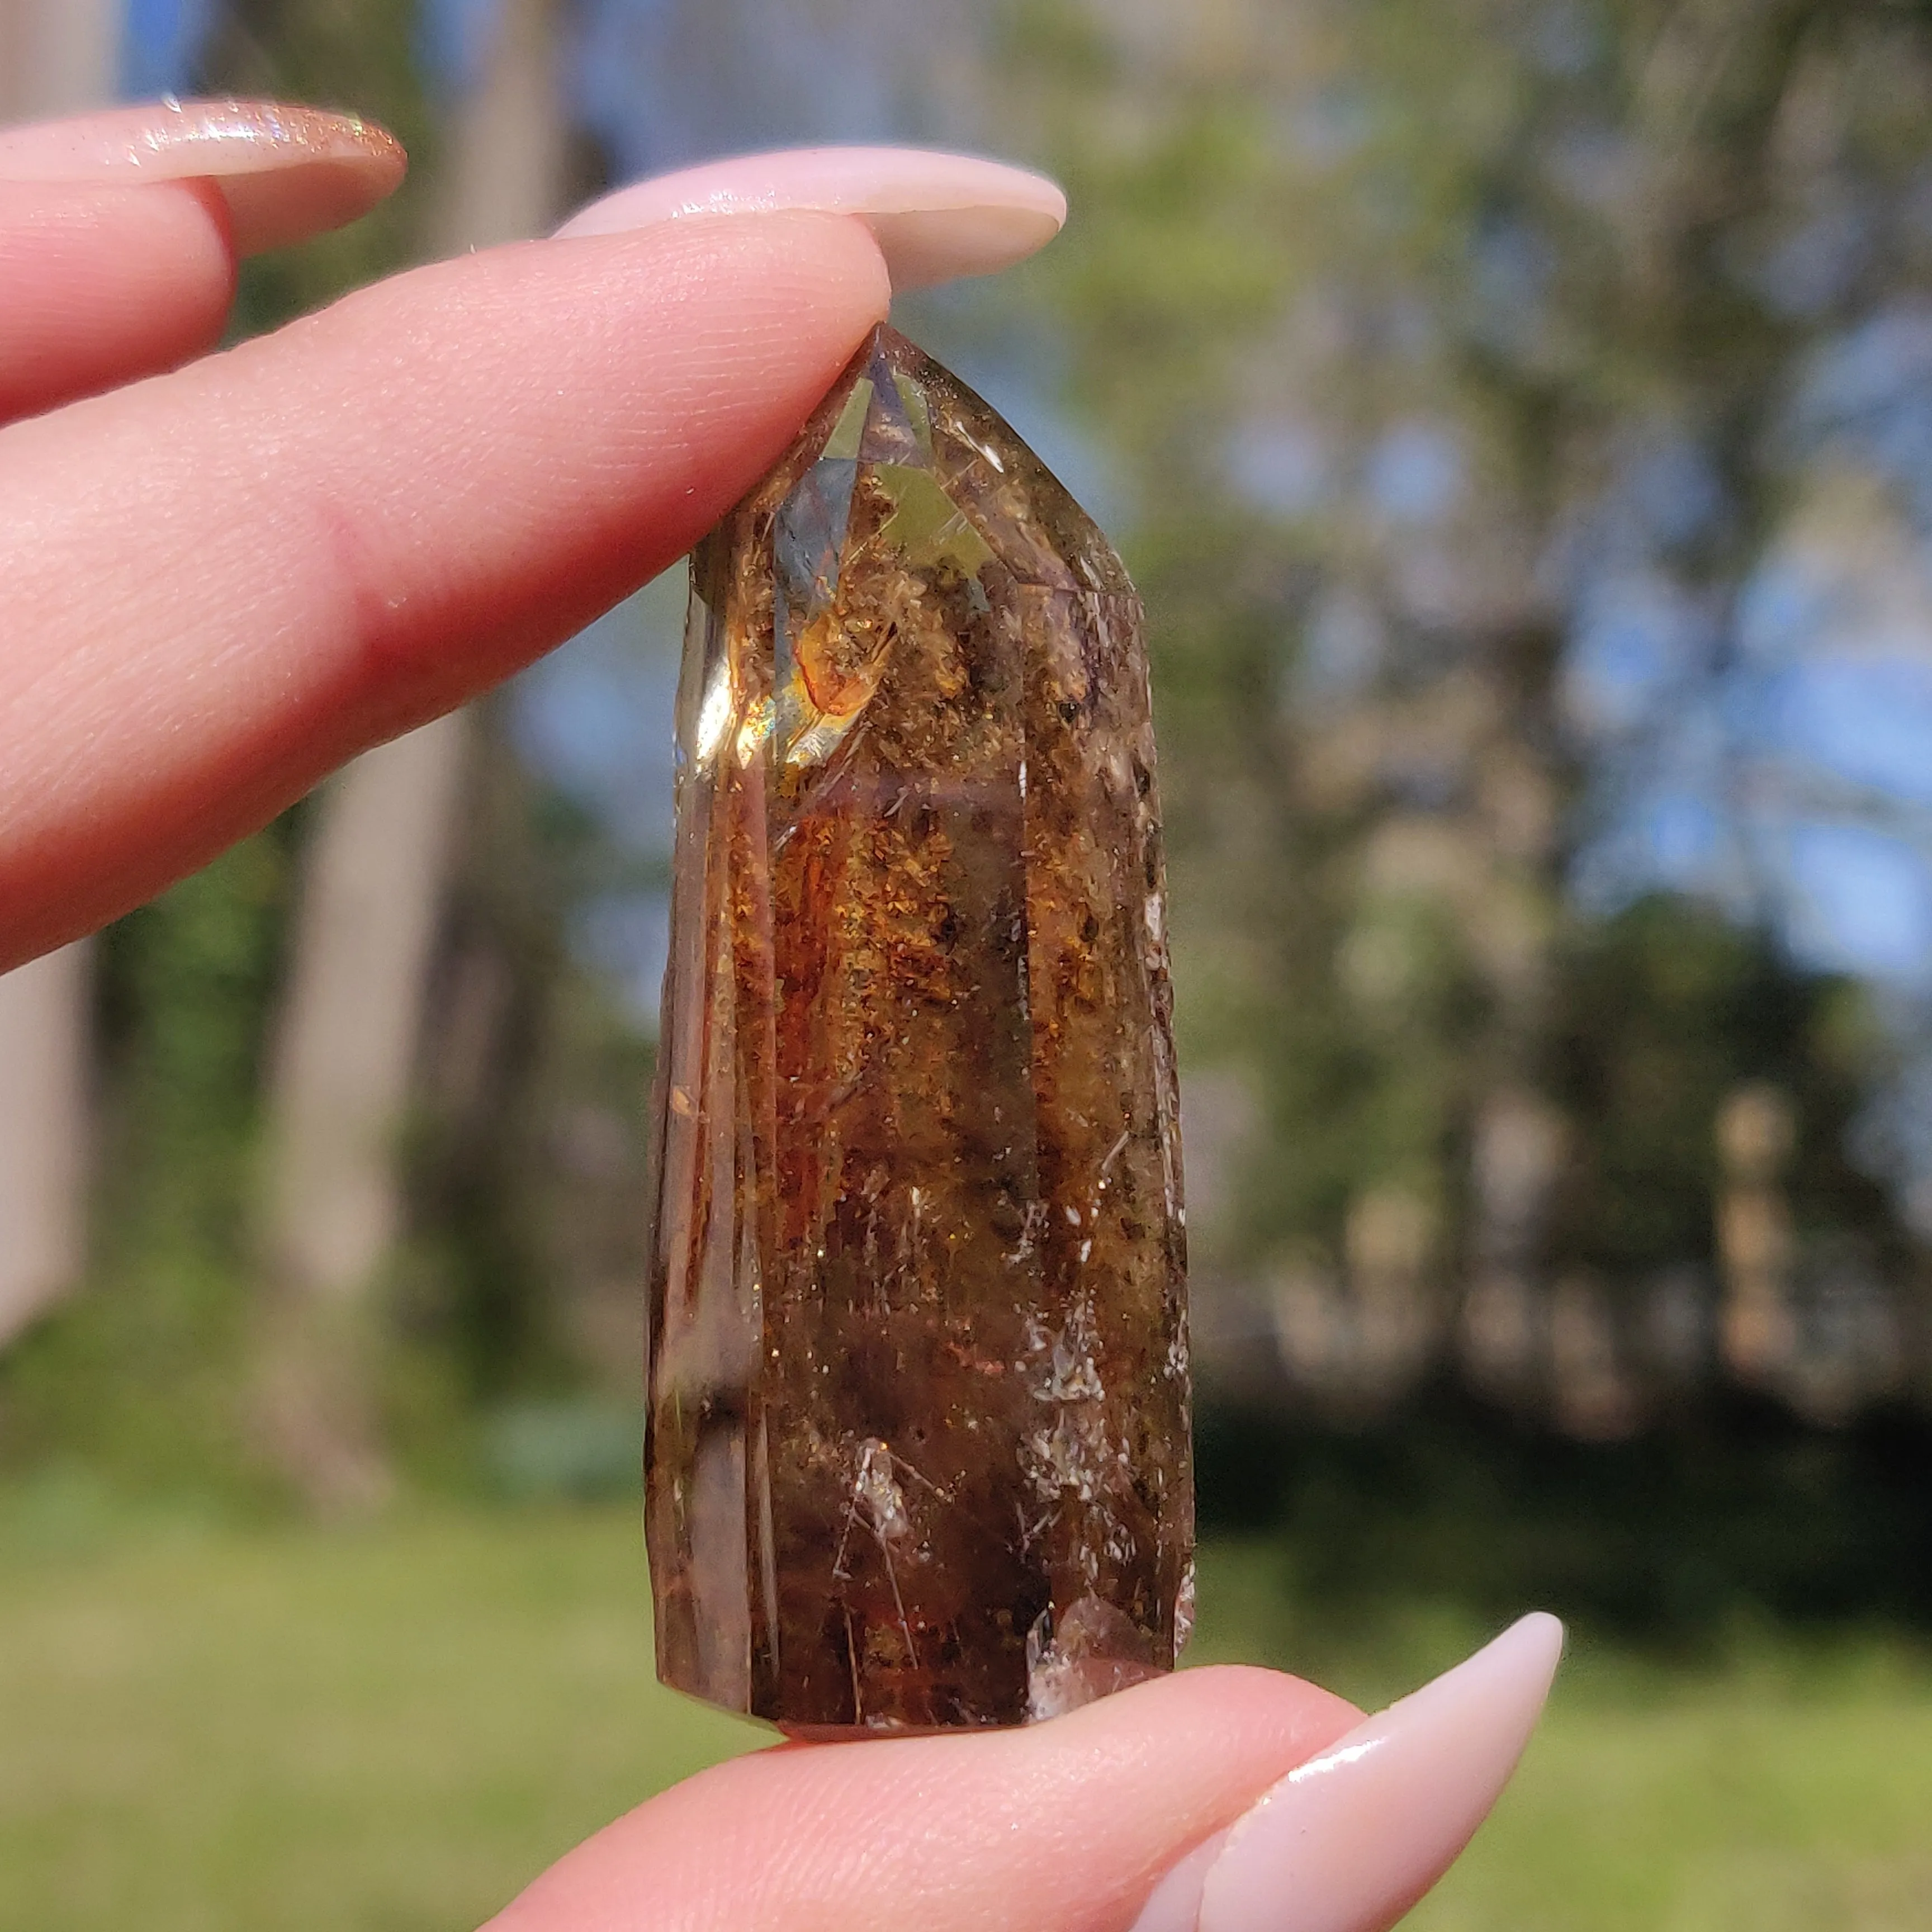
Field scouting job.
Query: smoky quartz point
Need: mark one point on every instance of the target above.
(918, 1449)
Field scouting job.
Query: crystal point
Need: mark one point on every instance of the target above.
(918, 1450)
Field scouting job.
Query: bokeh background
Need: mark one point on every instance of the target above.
(1518, 414)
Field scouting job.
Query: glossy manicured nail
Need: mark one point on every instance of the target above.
(1348, 1841)
(285, 172)
(936, 217)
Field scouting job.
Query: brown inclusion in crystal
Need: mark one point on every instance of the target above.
(918, 1450)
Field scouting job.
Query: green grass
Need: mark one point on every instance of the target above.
(204, 1727)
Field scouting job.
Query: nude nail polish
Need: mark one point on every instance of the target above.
(1348, 1841)
(936, 217)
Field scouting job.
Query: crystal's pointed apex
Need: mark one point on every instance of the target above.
(1029, 519)
(884, 417)
(837, 430)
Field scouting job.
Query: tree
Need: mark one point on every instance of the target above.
(57, 56)
(1477, 326)
(377, 870)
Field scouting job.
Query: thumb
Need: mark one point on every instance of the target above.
(1067, 1824)
(1219, 1801)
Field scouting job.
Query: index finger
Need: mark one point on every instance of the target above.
(220, 583)
(119, 231)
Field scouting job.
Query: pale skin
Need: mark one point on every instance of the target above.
(222, 575)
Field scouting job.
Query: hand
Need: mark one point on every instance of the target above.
(220, 583)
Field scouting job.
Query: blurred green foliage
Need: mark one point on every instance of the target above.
(142, 1373)
(1667, 1007)
(1735, 1517)
(1393, 316)
(357, 56)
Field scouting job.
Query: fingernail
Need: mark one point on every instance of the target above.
(285, 172)
(1348, 1841)
(936, 217)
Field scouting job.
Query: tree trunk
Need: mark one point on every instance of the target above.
(56, 57)
(378, 867)
(43, 1133)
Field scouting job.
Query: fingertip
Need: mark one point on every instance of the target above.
(826, 266)
(1242, 1694)
(117, 282)
(852, 260)
(276, 208)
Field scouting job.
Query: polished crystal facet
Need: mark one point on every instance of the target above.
(918, 1450)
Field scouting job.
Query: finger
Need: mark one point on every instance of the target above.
(105, 283)
(285, 173)
(224, 582)
(935, 216)
(119, 232)
(1218, 1801)
(1066, 1824)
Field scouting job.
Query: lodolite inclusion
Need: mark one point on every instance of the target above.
(918, 1450)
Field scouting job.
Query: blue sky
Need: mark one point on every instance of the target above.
(160, 41)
